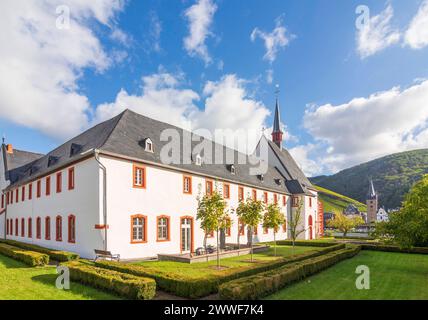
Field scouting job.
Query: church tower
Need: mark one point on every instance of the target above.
(276, 132)
(372, 203)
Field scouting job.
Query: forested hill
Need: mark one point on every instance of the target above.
(392, 176)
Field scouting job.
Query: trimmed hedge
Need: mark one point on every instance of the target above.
(28, 257)
(124, 285)
(389, 248)
(306, 243)
(57, 255)
(263, 284)
(203, 286)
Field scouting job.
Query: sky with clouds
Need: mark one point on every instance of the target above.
(353, 79)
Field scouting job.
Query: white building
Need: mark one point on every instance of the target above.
(109, 189)
(382, 215)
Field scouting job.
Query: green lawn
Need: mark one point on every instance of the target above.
(196, 270)
(20, 282)
(392, 276)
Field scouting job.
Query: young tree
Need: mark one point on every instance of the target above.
(295, 224)
(250, 212)
(408, 227)
(273, 218)
(343, 223)
(213, 215)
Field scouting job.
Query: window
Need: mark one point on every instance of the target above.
(30, 191)
(58, 228)
(275, 198)
(71, 179)
(48, 185)
(47, 228)
(59, 182)
(226, 191)
(39, 189)
(2, 201)
(232, 169)
(295, 201)
(163, 228)
(30, 228)
(71, 229)
(198, 160)
(7, 226)
(7, 198)
(209, 187)
(17, 195)
(22, 227)
(38, 228)
(148, 145)
(284, 201)
(11, 197)
(139, 177)
(254, 195)
(241, 228)
(265, 197)
(228, 231)
(138, 229)
(23, 194)
(310, 202)
(187, 184)
(240, 193)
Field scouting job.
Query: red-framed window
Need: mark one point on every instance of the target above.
(228, 230)
(71, 228)
(48, 185)
(22, 227)
(30, 228)
(2, 201)
(284, 226)
(240, 193)
(162, 228)
(11, 197)
(209, 187)
(275, 198)
(58, 228)
(284, 201)
(138, 229)
(187, 184)
(71, 182)
(139, 177)
(7, 226)
(7, 198)
(254, 194)
(17, 195)
(23, 194)
(265, 197)
(58, 182)
(48, 228)
(295, 201)
(265, 230)
(30, 191)
(39, 188)
(226, 191)
(38, 228)
(310, 202)
(241, 228)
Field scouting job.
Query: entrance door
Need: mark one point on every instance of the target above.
(186, 235)
(310, 227)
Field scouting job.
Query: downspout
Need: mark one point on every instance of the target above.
(104, 169)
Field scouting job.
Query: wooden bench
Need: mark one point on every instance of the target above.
(101, 254)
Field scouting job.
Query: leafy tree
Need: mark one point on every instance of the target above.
(273, 218)
(213, 215)
(295, 223)
(343, 223)
(250, 212)
(409, 226)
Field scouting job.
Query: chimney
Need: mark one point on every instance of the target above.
(9, 148)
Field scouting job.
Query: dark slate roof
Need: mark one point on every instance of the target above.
(19, 158)
(277, 120)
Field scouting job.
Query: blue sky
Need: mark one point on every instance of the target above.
(320, 70)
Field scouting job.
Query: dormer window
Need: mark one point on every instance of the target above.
(261, 177)
(148, 145)
(52, 160)
(75, 149)
(198, 160)
(278, 181)
(232, 169)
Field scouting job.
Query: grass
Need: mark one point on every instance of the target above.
(335, 202)
(20, 282)
(202, 269)
(392, 276)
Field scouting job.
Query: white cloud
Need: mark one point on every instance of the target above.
(200, 17)
(155, 31)
(40, 64)
(377, 34)
(274, 40)
(416, 35)
(227, 106)
(269, 76)
(301, 155)
(366, 128)
(120, 36)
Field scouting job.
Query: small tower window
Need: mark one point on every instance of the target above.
(261, 177)
(148, 146)
(232, 169)
(198, 160)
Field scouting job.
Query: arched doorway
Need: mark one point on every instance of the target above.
(310, 227)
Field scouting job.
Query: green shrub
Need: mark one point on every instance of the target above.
(354, 238)
(28, 257)
(306, 243)
(57, 255)
(262, 284)
(203, 286)
(388, 248)
(125, 285)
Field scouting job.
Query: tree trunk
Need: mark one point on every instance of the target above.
(251, 244)
(274, 241)
(218, 252)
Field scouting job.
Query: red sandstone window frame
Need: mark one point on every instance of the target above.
(30, 191)
(71, 178)
(241, 228)
(295, 202)
(189, 183)
(11, 197)
(284, 200)
(22, 227)
(209, 187)
(240, 193)
(226, 190)
(138, 241)
(17, 195)
(265, 197)
(48, 185)
(2, 201)
(275, 198)
(58, 228)
(135, 183)
(228, 231)
(310, 202)
(168, 228)
(58, 182)
(39, 188)
(71, 228)
(38, 228)
(30, 227)
(23, 193)
(254, 194)
(48, 228)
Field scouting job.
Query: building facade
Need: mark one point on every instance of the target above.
(110, 189)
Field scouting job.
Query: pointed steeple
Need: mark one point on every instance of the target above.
(276, 131)
(372, 193)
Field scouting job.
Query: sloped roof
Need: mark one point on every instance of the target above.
(19, 158)
(123, 134)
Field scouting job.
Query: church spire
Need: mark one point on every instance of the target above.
(372, 193)
(276, 131)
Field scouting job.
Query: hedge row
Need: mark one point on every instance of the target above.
(354, 238)
(203, 286)
(389, 248)
(306, 243)
(57, 255)
(28, 257)
(124, 285)
(263, 284)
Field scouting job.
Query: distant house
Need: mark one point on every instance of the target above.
(382, 215)
(351, 210)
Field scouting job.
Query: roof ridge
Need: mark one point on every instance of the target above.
(119, 118)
